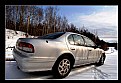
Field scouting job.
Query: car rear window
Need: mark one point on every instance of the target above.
(52, 35)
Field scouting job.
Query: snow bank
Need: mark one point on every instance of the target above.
(110, 50)
(10, 41)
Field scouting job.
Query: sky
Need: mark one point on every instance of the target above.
(100, 18)
(94, 14)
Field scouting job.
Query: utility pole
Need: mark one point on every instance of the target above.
(83, 27)
(95, 32)
(28, 24)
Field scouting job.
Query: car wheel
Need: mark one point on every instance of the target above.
(101, 61)
(62, 67)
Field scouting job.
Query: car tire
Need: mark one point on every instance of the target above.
(62, 67)
(101, 61)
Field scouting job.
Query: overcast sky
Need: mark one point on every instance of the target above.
(95, 17)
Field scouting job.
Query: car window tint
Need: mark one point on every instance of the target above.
(88, 41)
(78, 40)
(52, 36)
(70, 40)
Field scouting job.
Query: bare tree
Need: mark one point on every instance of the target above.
(16, 7)
(21, 16)
(55, 16)
(51, 19)
(58, 19)
(9, 17)
(64, 23)
(40, 14)
(28, 18)
(8, 13)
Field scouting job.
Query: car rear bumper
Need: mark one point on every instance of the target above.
(31, 64)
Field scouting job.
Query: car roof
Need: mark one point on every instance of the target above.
(73, 33)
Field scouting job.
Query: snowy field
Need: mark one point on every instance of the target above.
(108, 71)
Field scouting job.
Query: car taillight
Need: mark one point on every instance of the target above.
(26, 47)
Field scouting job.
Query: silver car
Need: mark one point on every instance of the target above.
(59, 52)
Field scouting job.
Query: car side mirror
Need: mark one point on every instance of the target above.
(99, 46)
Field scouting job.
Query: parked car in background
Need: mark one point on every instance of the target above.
(59, 52)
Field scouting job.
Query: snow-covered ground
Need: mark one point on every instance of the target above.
(10, 41)
(108, 71)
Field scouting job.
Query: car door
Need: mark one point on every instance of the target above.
(76, 46)
(92, 50)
